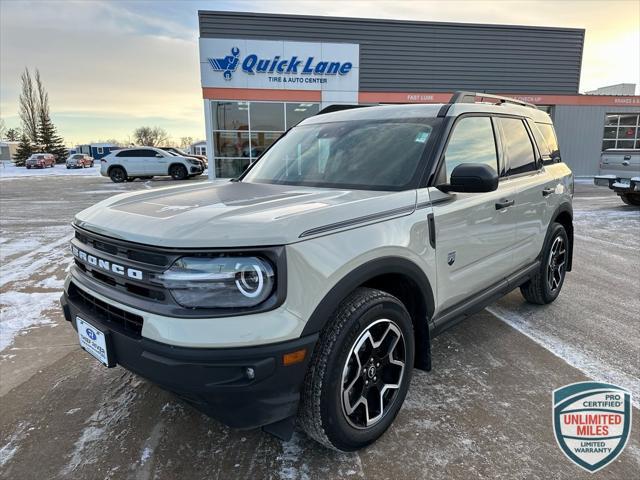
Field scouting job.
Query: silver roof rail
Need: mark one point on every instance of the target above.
(470, 97)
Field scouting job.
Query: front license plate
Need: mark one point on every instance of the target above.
(93, 340)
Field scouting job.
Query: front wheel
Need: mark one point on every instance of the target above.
(359, 373)
(117, 175)
(544, 287)
(178, 172)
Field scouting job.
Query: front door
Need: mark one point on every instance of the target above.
(475, 232)
(155, 163)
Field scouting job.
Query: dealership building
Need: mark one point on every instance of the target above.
(263, 73)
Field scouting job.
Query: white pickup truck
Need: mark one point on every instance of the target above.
(620, 171)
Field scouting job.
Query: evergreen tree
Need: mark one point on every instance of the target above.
(13, 134)
(48, 138)
(24, 151)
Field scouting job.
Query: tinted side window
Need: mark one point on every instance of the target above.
(518, 146)
(127, 153)
(550, 136)
(147, 153)
(472, 141)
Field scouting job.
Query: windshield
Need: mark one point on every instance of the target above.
(355, 154)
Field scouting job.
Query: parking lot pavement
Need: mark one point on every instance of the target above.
(483, 412)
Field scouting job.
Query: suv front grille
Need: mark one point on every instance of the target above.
(128, 256)
(128, 322)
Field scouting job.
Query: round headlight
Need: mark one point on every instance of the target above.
(219, 282)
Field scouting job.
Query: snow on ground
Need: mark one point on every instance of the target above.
(99, 426)
(20, 311)
(572, 354)
(8, 450)
(31, 263)
(11, 171)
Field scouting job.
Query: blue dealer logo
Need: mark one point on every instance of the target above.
(591, 422)
(253, 64)
(91, 334)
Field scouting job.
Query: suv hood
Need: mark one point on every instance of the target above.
(238, 214)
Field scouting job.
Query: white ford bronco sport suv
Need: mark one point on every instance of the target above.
(310, 286)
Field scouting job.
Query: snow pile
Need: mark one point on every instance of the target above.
(11, 171)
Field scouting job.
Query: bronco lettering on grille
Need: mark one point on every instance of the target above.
(106, 265)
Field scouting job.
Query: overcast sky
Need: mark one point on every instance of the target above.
(111, 66)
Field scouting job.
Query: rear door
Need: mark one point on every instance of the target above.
(155, 163)
(536, 189)
(475, 232)
(132, 161)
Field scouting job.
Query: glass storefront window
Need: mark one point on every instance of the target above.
(230, 144)
(296, 112)
(610, 132)
(621, 131)
(628, 119)
(242, 131)
(230, 167)
(267, 116)
(230, 115)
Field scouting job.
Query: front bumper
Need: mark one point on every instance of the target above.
(213, 380)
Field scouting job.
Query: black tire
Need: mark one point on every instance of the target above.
(178, 172)
(631, 199)
(544, 287)
(335, 368)
(117, 175)
(28, 167)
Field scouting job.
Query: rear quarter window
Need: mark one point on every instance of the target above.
(518, 146)
(549, 135)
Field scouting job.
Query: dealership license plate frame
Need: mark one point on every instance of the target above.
(94, 346)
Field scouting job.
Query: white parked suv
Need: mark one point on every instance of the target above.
(311, 286)
(147, 162)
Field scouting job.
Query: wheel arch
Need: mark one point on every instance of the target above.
(397, 276)
(174, 164)
(117, 165)
(564, 216)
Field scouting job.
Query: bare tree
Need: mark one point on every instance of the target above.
(3, 128)
(185, 142)
(28, 102)
(151, 136)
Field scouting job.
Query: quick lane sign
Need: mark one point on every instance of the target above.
(279, 64)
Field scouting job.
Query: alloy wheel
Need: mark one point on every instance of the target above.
(556, 264)
(373, 374)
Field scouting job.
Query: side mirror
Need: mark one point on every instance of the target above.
(472, 178)
(158, 155)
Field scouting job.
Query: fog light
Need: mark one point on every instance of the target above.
(250, 373)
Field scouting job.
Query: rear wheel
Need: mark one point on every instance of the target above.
(117, 175)
(360, 371)
(544, 287)
(178, 172)
(631, 199)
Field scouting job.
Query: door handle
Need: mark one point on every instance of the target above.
(504, 204)
(548, 191)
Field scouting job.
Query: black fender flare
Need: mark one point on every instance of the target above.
(369, 271)
(565, 208)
